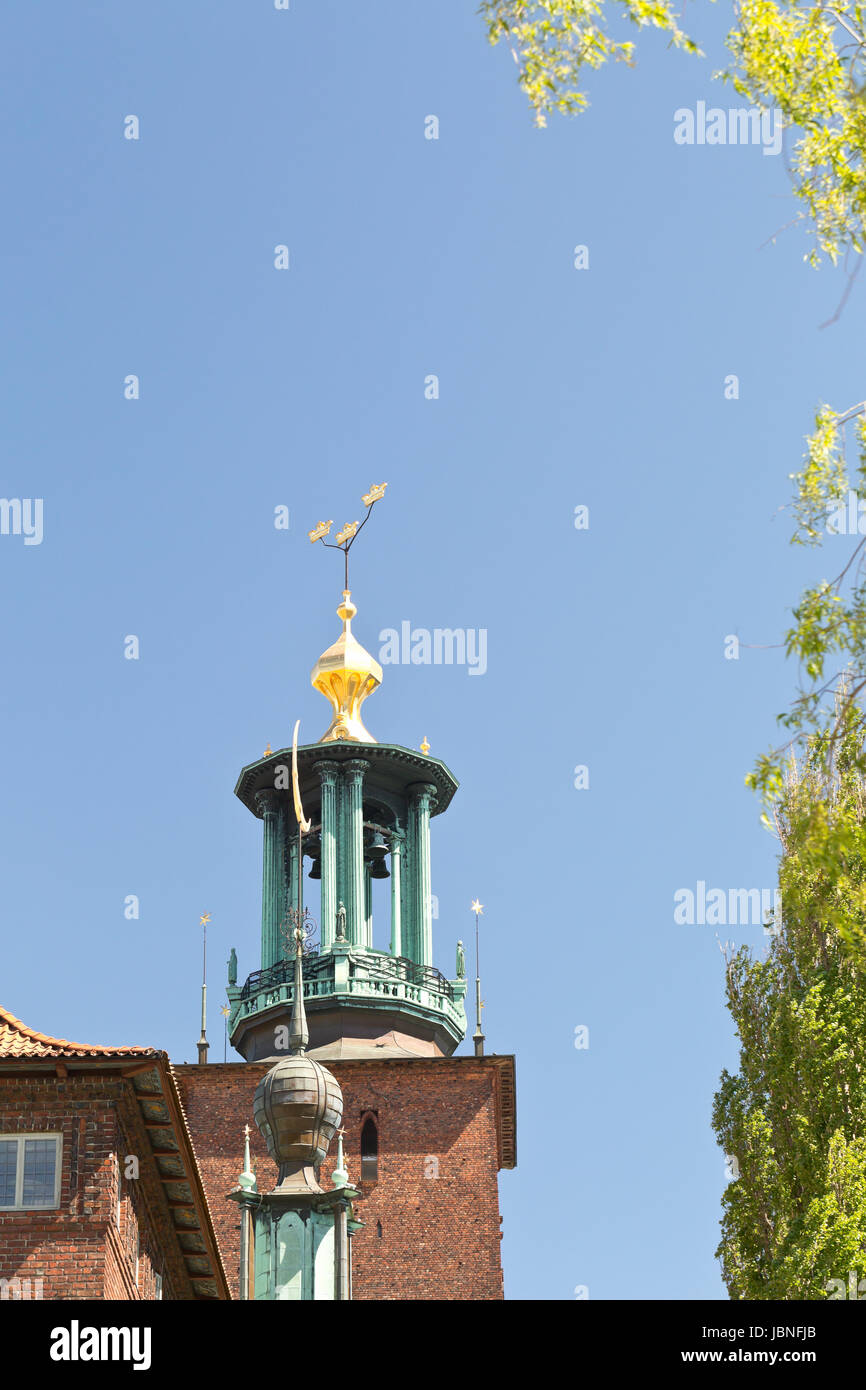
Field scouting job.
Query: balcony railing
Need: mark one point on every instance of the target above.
(374, 965)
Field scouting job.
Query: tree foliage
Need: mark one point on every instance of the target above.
(828, 640)
(808, 61)
(793, 1118)
(794, 1115)
(552, 41)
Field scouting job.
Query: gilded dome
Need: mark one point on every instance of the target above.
(346, 674)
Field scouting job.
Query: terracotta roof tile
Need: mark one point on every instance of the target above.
(17, 1040)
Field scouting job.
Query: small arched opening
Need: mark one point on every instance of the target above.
(369, 1150)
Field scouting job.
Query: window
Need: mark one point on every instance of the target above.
(29, 1171)
(369, 1151)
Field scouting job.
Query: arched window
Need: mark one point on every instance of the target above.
(369, 1151)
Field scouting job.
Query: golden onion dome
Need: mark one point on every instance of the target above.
(346, 674)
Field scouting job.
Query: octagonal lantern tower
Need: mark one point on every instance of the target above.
(370, 805)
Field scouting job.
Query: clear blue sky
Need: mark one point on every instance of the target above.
(558, 388)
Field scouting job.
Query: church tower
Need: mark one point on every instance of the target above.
(371, 806)
(425, 1129)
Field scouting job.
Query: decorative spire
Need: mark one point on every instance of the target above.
(339, 1177)
(203, 1043)
(247, 1179)
(346, 674)
(478, 1035)
(299, 1033)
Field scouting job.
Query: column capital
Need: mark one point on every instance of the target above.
(266, 800)
(357, 766)
(327, 772)
(422, 791)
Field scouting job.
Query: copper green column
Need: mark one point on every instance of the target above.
(353, 848)
(267, 802)
(328, 778)
(423, 795)
(368, 908)
(396, 920)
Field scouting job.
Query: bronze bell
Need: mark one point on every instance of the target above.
(377, 854)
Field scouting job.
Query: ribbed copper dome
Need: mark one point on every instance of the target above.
(298, 1108)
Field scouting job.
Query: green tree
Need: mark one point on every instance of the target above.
(808, 61)
(828, 640)
(552, 41)
(793, 1118)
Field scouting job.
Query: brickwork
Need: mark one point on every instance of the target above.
(93, 1245)
(432, 1224)
(430, 1203)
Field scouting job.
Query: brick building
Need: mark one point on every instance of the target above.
(100, 1191)
(119, 1175)
(430, 1201)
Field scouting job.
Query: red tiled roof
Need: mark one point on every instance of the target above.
(17, 1040)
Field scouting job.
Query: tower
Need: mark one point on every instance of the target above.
(426, 1128)
(371, 806)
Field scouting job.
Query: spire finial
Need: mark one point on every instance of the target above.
(203, 1043)
(247, 1179)
(346, 674)
(339, 1177)
(299, 1033)
(478, 1036)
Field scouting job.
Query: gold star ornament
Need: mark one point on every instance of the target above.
(477, 907)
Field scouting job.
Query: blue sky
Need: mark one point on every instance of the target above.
(557, 388)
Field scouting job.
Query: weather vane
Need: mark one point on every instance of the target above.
(346, 537)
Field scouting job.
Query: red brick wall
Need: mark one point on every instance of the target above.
(440, 1235)
(63, 1247)
(77, 1249)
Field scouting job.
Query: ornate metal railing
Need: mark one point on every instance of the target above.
(372, 964)
(401, 968)
(280, 974)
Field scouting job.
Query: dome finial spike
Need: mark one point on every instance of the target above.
(299, 1033)
(247, 1179)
